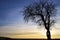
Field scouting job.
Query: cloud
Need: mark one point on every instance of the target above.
(17, 28)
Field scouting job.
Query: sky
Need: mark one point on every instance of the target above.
(11, 18)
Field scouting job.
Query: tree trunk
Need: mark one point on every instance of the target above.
(48, 35)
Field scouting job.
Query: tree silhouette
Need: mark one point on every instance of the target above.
(42, 13)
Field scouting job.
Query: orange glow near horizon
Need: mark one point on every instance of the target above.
(35, 35)
(27, 31)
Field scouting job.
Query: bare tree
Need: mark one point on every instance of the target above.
(42, 13)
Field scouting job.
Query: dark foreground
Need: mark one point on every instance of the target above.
(5, 38)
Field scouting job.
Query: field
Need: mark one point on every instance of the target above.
(5, 38)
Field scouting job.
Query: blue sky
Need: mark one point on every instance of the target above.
(10, 11)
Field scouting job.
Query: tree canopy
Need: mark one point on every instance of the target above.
(40, 12)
